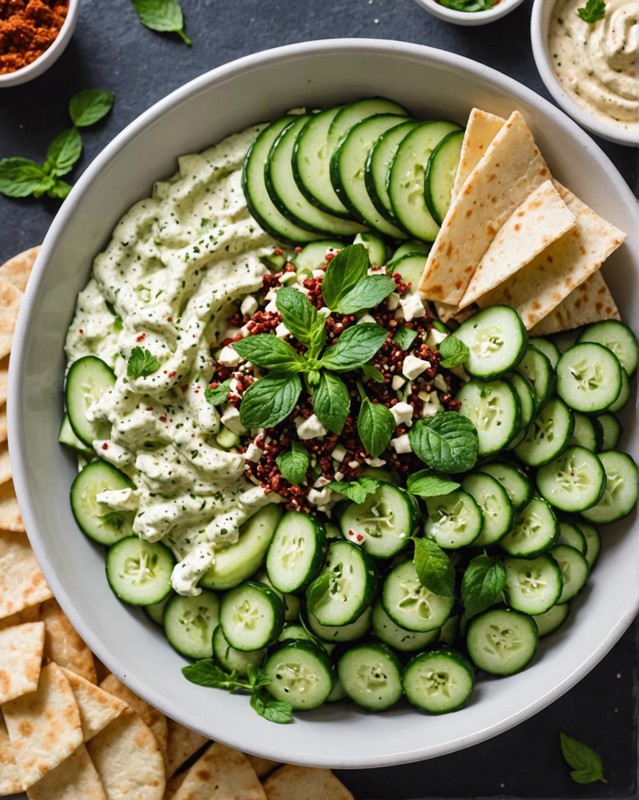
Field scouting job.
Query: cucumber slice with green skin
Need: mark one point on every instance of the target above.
(501, 641)
(588, 377)
(547, 347)
(189, 623)
(371, 676)
(88, 379)
(454, 520)
(407, 176)
(353, 113)
(286, 194)
(399, 638)
(410, 604)
(313, 255)
(226, 438)
(535, 529)
(291, 602)
(574, 481)
(593, 542)
(410, 248)
(347, 172)
(548, 436)
(569, 533)
(440, 174)
(587, 433)
(258, 200)
(410, 267)
(67, 437)
(493, 408)
(616, 337)
(497, 341)
(233, 660)
(620, 492)
(251, 616)
(301, 674)
(139, 572)
(551, 620)
(438, 681)
(533, 585)
(292, 631)
(155, 612)
(376, 248)
(526, 394)
(382, 524)
(238, 561)
(345, 587)
(296, 552)
(574, 570)
(340, 633)
(624, 393)
(536, 367)
(498, 512)
(519, 488)
(99, 521)
(611, 431)
(378, 163)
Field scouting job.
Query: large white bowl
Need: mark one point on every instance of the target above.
(260, 87)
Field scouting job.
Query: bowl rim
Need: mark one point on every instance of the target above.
(35, 68)
(469, 18)
(147, 118)
(539, 24)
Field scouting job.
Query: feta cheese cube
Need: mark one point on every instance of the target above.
(402, 413)
(281, 331)
(397, 382)
(249, 306)
(229, 356)
(324, 311)
(440, 383)
(353, 464)
(413, 366)
(365, 318)
(253, 452)
(339, 453)
(311, 428)
(287, 277)
(412, 306)
(435, 337)
(231, 420)
(375, 462)
(321, 497)
(339, 476)
(401, 444)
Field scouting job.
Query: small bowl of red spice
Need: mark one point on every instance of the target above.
(33, 35)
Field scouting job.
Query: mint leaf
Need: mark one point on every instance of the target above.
(373, 373)
(343, 273)
(427, 483)
(88, 106)
(269, 400)
(257, 677)
(453, 351)
(354, 347)
(593, 11)
(141, 363)
(318, 589)
(270, 352)
(273, 710)
(446, 442)
(368, 293)
(207, 673)
(301, 317)
(21, 177)
(219, 395)
(331, 401)
(294, 463)
(357, 490)
(59, 191)
(164, 16)
(586, 763)
(468, 5)
(482, 584)
(404, 337)
(375, 426)
(63, 152)
(434, 568)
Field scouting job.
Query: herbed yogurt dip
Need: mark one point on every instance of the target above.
(597, 62)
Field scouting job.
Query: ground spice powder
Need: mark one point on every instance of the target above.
(27, 29)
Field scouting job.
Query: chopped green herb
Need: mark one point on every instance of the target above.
(593, 11)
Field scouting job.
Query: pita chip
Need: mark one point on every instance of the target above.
(182, 744)
(74, 779)
(10, 517)
(4, 431)
(305, 783)
(62, 643)
(44, 726)
(173, 784)
(589, 302)
(31, 614)
(221, 774)
(97, 707)
(17, 269)
(511, 168)
(22, 584)
(4, 381)
(10, 299)
(20, 659)
(128, 759)
(262, 766)
(10, 782)
(5, 463)
(481, 129)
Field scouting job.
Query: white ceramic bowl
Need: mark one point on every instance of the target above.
(542, 13)
(50, 55)
(469, 18)
(259, 87)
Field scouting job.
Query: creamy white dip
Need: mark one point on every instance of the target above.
(597, 63)
(167, 281)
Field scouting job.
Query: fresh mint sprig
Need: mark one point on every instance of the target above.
(348, 288)
(163, 16)
(331, 401)
(593, 11)
(427, 483)
(141, 363)
(294, 463)
(453, 351)
(375, 426)
(357, 490)
(586, 764)
(434, 568)
(447, 442)
(270, 400)
(482, 584)
(219, 395)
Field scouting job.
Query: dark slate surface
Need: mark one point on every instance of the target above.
(111, 50)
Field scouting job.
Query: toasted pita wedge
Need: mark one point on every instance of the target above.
(5, 464)
(481, 129)
(590, 302)
(128, 759)
(22, 584)
(540, 287)
(20, 659)
(182, 744)
(97, 707)
(4, 381)
(44, 726)
(62, 643)
(4, 431)
(262, 766)
(31, 614)
(17, 269)
(221, 774)
(10, 782)
(511, 168)
(173, 785)
(74, 779)
(305, 783)
(10, 299)
(10, 517)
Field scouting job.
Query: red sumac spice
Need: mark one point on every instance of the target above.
(27, 29)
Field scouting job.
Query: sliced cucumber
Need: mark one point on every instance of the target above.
(296, 552)
(233, 660)
(516, 484)
(536, 367)
(67, 437)
(371, 676)
(526, 395)
(375, 247)
(251, 616)
(588, 432)
(624, 393)
(493, 408)
(440, 174)
(313, 255)
(574, 570)
(571, 534)
(454, 520)
(616, 337)
(399, 638)
(301, 674)
(620, 491)
(535, 529)
(139, 572)
(611, 431)
(548, 436)
(378, 163)
(574, 481)
(410, 604)
(547, 347)
(552, 620)
(593, 542)
(533, 585)
(497, 341)
(88, 379)
(410, 267)
(588, 377)
(155, 612)
(189, 623)
(498, 512)
(340, 633)
(501, 641)
(97, 520)
(438, 681)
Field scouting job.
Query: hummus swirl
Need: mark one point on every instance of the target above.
(597, 63)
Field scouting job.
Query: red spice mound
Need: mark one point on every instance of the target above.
(27, 29)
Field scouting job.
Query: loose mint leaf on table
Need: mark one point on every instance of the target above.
(446, 442)
(294, 463)
(89, 106)
(164, 16)
(301, 318)
(219, 395)
(434, 568)
(141, 363)
(270, 352)
(586, 764)
(59, 191)
(482, 584)
(269, 400)
(404, 337)
(427, 483)
(21, 177)
(375, 426)
(593, 11)
(354, 347)
(357, 490)
(63, 153)
(331, 401)
(454, 352)
(347, 287)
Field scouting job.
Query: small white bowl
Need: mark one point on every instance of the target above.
(541, 18)
(50, 55)
(468, 18)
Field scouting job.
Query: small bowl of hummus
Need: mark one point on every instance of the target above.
(586, 52)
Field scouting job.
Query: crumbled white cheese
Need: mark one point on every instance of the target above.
(229, 357)
(413, 366)
(318, 273)
(339, 476)
(249, 306)
(412, 306)
(353, 464)
(311, 428)
(339, 453)
(321, 481)
(435, 338)
(392, 301)
(402, 413)
(440, 383)
(281, 331)
(375, 462)
(397, 382)
(253, 452)
(401, 444)
(231, 420)
(287, 277)
(365, 318)
(324, 311)
(381, 270)
(271, 307)
(320, 498)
